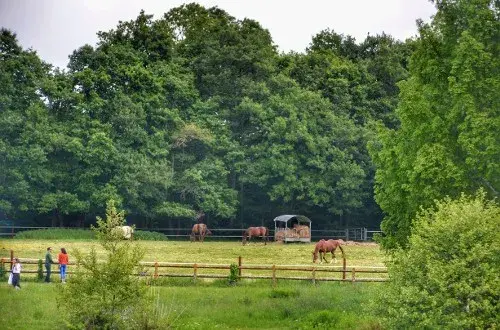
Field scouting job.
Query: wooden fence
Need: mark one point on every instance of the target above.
(245, 271)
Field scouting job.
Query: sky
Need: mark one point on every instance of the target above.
(55, 28)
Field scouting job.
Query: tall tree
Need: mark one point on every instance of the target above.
(448, 141)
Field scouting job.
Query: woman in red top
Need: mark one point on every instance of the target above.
(63, 262)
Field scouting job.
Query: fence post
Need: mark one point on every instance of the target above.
(274, 276)
(347, 234)
(353, 275)
(11, 258)
(344, 267)
(195, 270)
(239, 266)
(156, 269)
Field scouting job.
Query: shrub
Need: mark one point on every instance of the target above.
(234, 276)
(3, 272)
(448, 276)
(39, 273)
(56, 234)
(105, 295)
(144, 235)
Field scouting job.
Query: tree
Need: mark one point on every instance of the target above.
(448, 140)
(448, 276)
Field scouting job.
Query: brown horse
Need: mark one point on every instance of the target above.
(323, 247)
(200, 230)
(255, 232)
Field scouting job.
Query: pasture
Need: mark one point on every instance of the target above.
(254, 252)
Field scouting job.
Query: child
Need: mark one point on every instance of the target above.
(16, 274)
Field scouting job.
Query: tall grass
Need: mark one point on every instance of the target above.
(291, 305)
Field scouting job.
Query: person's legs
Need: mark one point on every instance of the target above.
(48, 269)
(15, 280)
(63, 273)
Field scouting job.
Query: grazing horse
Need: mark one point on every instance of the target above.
(323, 247)
(200, 230)
(255, 232)
(126, 231)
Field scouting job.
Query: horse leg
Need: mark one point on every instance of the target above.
(321, 257)
(334, 259)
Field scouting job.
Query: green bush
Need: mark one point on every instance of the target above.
(448, 276)
(234, 276)
(39, 273)
(144, 235)
(3, 272)
(56, 234)
(104, 295)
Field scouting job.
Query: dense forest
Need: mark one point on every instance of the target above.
(197, 110)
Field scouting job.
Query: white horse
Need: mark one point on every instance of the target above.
(126, 231)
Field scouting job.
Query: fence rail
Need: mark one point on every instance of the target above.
(347, 274)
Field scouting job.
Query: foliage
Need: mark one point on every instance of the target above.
(195, 110)
(56, 234)
(448, 276)
(39, 273)
(106, 294)
(448, 140)
(3, 272)
(82, 234)
(234, 276)
(144, 235)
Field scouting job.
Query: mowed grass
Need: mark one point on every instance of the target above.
(253, 305)
(207, 252)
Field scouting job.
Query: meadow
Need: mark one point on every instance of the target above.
(212, 304)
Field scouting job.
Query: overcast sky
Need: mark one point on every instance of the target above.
(54, 28)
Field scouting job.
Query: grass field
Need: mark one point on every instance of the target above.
(213, 304)
(207, 252)
(218, 306)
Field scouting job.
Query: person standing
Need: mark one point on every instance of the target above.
(48, 264)
(16, 274)
(63, 263)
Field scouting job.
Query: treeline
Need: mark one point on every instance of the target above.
(197, 110)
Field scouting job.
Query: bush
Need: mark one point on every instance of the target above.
(234, 276)
(105, 295)
(3, 272)
(39, 273)
(448, 276)
(82, 234)
(56, 234)
(144, 235)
